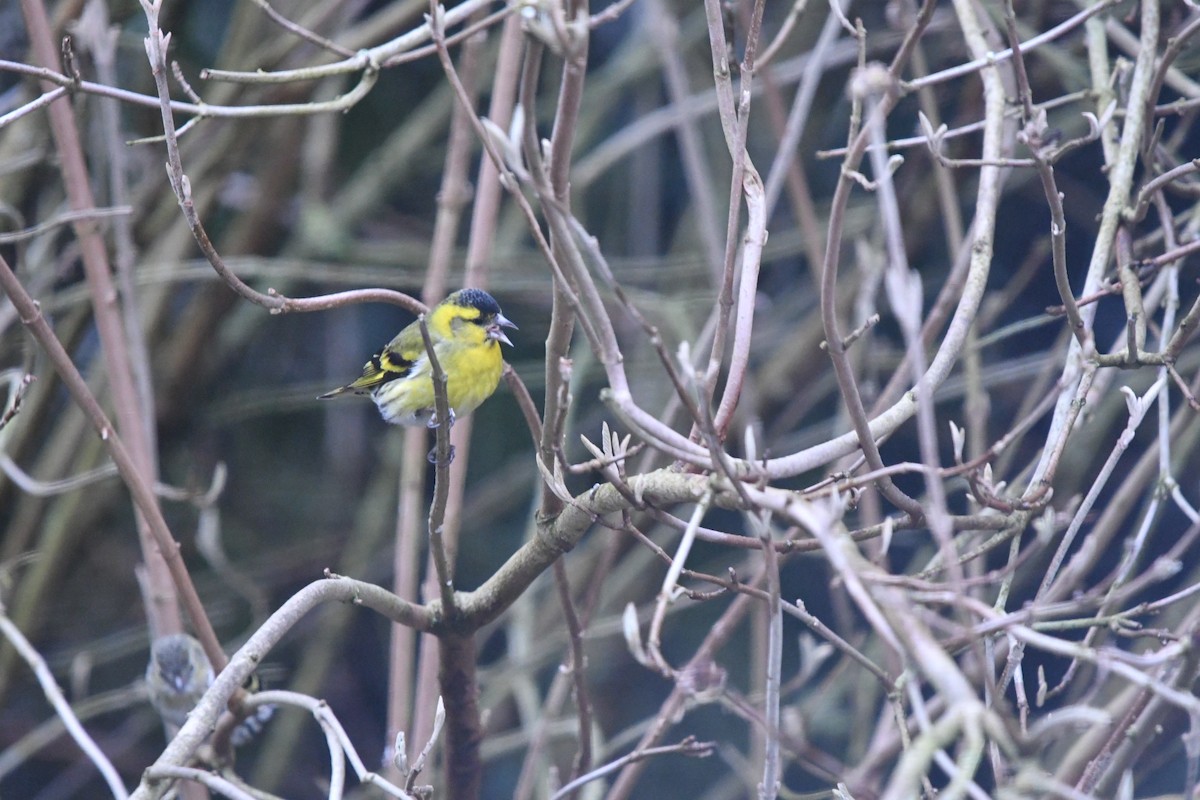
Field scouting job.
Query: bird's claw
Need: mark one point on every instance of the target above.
(434, 423)
(433, 459)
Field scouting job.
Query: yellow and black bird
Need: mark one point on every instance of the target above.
(466, 330)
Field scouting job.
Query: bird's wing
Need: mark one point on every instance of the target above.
(386, 365)
(397, 360)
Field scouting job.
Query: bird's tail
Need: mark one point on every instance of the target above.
(336, 392)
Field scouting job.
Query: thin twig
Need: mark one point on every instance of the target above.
(62, 708)
(687, 747)
(441, 481)
(578, 669)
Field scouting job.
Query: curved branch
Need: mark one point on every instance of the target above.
(203, 717)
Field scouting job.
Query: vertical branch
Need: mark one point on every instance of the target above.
(406, 701)
(131, 417)
(140, 489)
(736, 131)
(460, 692)
(1166, 333)
(797, 119)
(103, 39)
(664, 30)
(1121, 164)
(443, 567)
(843, 371)
(977, 402)
(904, 291)
(488, 191)
(562, 140)
(752, 248)
(557, 177)
(772, 775)
(577, 666)
(453, 196)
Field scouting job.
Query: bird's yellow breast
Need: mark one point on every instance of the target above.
(472, 375)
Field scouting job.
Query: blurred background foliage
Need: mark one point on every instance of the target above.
(316, 204)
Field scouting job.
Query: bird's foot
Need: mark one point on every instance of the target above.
(434, 423)
(433, 459)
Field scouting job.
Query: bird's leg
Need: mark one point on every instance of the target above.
(434, 423)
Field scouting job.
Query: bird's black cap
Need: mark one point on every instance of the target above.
(478, 298)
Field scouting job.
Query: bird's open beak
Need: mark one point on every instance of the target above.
(495, 331)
